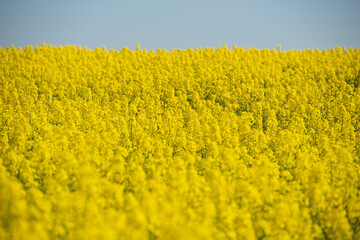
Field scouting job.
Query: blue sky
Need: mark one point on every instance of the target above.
(181, 24)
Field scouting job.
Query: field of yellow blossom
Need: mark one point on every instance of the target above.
(200, 143)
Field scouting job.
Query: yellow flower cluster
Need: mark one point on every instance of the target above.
(207, 143)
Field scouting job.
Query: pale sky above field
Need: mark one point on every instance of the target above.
(181, 24)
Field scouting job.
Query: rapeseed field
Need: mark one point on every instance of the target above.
(200, 143)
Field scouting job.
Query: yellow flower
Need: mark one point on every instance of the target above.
(183, 144)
